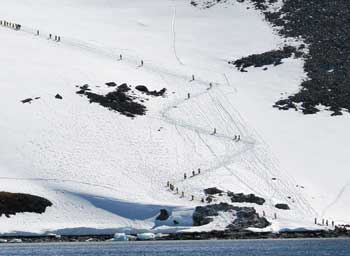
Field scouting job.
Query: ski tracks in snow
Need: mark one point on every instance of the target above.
(164, 116)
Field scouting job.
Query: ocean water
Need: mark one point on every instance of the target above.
(307, 247)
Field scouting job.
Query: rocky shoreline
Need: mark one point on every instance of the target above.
(216, 235)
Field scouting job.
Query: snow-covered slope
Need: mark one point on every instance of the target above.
(105, 172)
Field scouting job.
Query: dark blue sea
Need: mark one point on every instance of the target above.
(308, 247)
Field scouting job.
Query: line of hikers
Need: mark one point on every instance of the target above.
(57, 38)
(324, 222)
(176, 190)
(12, 25)
(193, 173)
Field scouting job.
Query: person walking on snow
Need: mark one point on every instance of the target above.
(214, 132)
(185, 176)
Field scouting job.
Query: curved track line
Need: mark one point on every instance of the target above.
(164, 113)
(174, 38)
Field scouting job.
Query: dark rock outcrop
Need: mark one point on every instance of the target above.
(111, 84)
(118, 100)
(57, 96)
(164, 215)
(282, 206)
(212, 191)
(12, 203)
(324, 26)
(28, 100)
(144, 89)
(274, 57)
(243, 198)
(245, 216)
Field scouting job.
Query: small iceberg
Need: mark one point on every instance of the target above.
(146, 236)
(120, 237)
(2, 241)
(15, 241)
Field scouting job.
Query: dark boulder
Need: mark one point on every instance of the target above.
(58, 96)
(144, 89)
(141, 88)
(212, 191)
(28, 100)
(164, 215)
(243, 198)
(282, 206)
(111, 84)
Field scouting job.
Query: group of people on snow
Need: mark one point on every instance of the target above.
(12, 25)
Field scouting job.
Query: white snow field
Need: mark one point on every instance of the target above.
(105, 172)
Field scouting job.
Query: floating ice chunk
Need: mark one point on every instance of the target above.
(146, 236)
(3, 241)
(120, 237)
(15, 241)
(131, 238)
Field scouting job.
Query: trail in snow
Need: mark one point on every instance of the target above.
(337, 198)
(133, 60)
(174, 38)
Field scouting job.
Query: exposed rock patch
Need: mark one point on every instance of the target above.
(274, 57)
(59, 97)
(324, 26)
(204, 4)
(212, 191)
(243, 198)
(118, 100)
(111, 84)
(28, 100)
(12, 203)
(244, 216)
(144, 89)
(282, 206)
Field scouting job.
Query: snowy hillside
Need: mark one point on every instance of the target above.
(105, 172)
